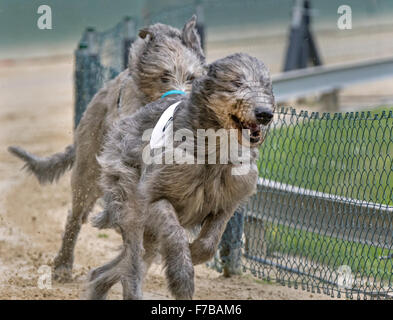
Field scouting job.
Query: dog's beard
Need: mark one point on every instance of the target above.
(250, 134)
(250, 139)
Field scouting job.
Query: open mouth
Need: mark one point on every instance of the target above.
(255, 133)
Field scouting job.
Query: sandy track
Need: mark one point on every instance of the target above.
(36, 113)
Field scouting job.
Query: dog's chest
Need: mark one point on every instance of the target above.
(211, 191)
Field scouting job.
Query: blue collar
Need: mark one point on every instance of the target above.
(172, 92)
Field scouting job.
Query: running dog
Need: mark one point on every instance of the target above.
(161, 59)
(154, 203)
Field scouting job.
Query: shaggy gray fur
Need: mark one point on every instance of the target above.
(50, 169)
(154, 204)
(161, 59)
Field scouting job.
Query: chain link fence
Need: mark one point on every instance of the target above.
(100, 57)
(322, 218)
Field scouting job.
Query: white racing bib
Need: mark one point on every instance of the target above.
(163, 126)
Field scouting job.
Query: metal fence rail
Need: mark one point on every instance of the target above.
(325, 79)
(334, 216)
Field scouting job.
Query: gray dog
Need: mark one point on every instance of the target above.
(161, 59)
(153, 204)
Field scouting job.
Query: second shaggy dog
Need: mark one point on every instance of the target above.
(153, 204)
(161, 59)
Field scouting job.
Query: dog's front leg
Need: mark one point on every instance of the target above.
(205, 246)
(174, 249)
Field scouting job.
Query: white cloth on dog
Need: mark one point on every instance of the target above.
(163, 126)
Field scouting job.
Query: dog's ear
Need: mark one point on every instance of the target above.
(146, 31)
(204, 85)
(211, 70)
(191, 38)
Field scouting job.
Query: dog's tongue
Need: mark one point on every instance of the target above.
(254, 128)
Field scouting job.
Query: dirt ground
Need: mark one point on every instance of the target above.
(36, 103)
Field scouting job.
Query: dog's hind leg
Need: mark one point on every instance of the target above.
(128, 267)
(133, 268)
(103, 278)
(94, 274)
(174, 249)
(151, 247)
(85, 192)
(131, 225)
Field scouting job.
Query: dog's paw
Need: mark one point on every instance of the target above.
(180, 277)
(62, 273)
(201, 251)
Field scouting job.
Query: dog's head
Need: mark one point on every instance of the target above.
(165, 58)
(237, 91)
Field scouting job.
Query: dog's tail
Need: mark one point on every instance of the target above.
(48, 169)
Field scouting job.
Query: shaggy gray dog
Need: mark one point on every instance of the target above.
(154, 204)
(161, 59)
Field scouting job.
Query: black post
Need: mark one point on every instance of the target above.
(201, 23)
(80, 85)
(302, 48)
(129, 38)
(87, 73)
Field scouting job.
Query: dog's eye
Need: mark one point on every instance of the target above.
(237, 104)
(190, 77)
(237, 83)
(166, 77)
(265, 82)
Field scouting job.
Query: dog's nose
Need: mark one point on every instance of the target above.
(264, 115)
